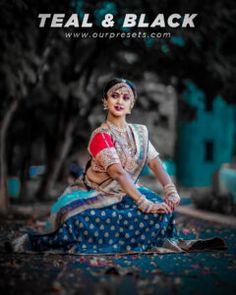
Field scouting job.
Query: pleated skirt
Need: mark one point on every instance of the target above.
(117, 228)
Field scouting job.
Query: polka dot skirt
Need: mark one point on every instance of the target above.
(117, 228)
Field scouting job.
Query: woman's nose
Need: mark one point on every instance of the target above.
(120, 99)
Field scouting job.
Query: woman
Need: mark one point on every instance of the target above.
(107, 212)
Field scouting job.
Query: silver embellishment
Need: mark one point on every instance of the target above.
(126, 143)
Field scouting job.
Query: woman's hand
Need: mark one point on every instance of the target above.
(161, 208)
(171, 196)
(147, 206)
(173, 201)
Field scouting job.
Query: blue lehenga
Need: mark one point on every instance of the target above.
(119, 227)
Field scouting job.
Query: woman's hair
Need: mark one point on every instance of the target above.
(115, 81)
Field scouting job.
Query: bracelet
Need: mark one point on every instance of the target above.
(145, 207)
(169, 189)
(144, 204)
(170, 192)
(140, 200)
(169, 186)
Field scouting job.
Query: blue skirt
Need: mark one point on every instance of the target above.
(117, 228)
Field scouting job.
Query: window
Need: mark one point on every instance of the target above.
(209, 151)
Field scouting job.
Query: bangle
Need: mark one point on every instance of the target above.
(169, 186)
(140, 200)
(169, 189)
(170, 192)
(144, 204)
(141, 197)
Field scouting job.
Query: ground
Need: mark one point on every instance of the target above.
(190, 273)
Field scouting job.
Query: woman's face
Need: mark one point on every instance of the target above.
(119, 102)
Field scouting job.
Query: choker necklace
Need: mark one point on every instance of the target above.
(117, 129)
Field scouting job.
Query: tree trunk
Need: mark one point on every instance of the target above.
(4, 201)
(62, 151)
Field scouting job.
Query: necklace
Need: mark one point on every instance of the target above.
(117, 129)
(126, 143)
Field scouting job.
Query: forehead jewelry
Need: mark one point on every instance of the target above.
(122, 85)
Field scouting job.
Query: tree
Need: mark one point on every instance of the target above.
(58, 81)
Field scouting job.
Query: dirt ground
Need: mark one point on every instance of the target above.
(188, 273)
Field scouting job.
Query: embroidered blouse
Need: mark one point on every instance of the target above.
(105, 151)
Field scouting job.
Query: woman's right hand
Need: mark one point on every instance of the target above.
(161, 208)
(147, 206)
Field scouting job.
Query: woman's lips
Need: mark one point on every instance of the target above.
(119, 108)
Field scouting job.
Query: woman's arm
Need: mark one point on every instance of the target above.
(171, 196)
(158, 170)
(117, 172)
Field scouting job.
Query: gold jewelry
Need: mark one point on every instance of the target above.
(140, 200)
(124, 137)
(122, 85)
(144, 204)
(114, 128)
(169, 189)
(171, 194)
(105, 104)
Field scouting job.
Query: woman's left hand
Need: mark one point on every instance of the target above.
(170, 204)
(173, 201)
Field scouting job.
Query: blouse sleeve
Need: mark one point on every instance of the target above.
(102, 149)
(152, 152)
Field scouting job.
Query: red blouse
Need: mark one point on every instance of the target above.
(99, 142)
(103, 152)
(102, 149)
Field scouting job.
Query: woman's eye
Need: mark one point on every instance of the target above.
(114, 95)
(126, 97)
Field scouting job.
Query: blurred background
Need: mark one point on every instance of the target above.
(51, 91)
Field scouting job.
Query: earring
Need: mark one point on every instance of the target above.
(105, 105)
(130, 108)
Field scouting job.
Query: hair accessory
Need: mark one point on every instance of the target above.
(121, 85)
